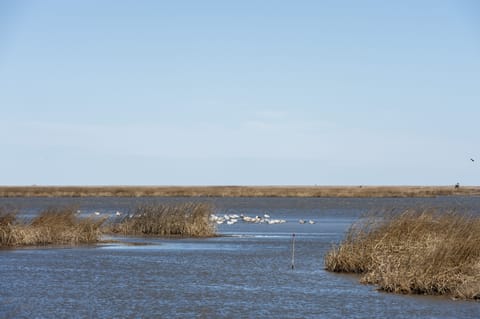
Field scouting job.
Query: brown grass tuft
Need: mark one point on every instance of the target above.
(54, 226)
(186, 219)
(416, 251)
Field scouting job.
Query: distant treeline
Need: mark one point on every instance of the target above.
(238, 191)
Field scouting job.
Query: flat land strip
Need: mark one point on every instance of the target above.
(238, 191)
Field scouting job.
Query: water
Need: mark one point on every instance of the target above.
(244, 274)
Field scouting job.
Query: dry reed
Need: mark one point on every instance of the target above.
(419, 251)
(185, 219)
(51, 227)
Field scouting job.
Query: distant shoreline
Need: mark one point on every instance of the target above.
(237, 191)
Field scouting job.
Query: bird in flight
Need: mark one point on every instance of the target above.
(472, 160)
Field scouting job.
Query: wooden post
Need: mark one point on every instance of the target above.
(293, 251)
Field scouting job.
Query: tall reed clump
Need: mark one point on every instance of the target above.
(53, 226)
(185, 219)
(415, 251)
(7, 222)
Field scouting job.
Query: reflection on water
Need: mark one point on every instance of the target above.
(244, 274)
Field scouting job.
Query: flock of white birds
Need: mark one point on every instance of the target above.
(231, 219)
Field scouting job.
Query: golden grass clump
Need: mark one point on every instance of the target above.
(7, 222)
(53, 226)
(185, 219)
(415, 251)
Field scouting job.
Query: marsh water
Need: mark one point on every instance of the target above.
(246, 273)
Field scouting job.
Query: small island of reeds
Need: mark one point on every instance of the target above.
(58, 226)
(184, 220)
(417, 251)
(64, 226)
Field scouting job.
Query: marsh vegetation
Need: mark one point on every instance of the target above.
(64, 226)
(419, 251)
(58, 226)
(184, 219)
(238, 191)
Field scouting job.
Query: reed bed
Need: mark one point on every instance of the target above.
(62, 226)
(238, 191)
(185, 220)
(417, 251)
(51, 227)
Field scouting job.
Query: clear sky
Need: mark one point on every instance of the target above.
(239, 92)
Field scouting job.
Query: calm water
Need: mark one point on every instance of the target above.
(245, 274)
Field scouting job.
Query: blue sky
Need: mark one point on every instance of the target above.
(239, 92)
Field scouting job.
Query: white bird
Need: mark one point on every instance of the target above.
(118, 213)
(97, 213)
(249, 219)
(275, 221)
(266, 216)
(311, 222)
